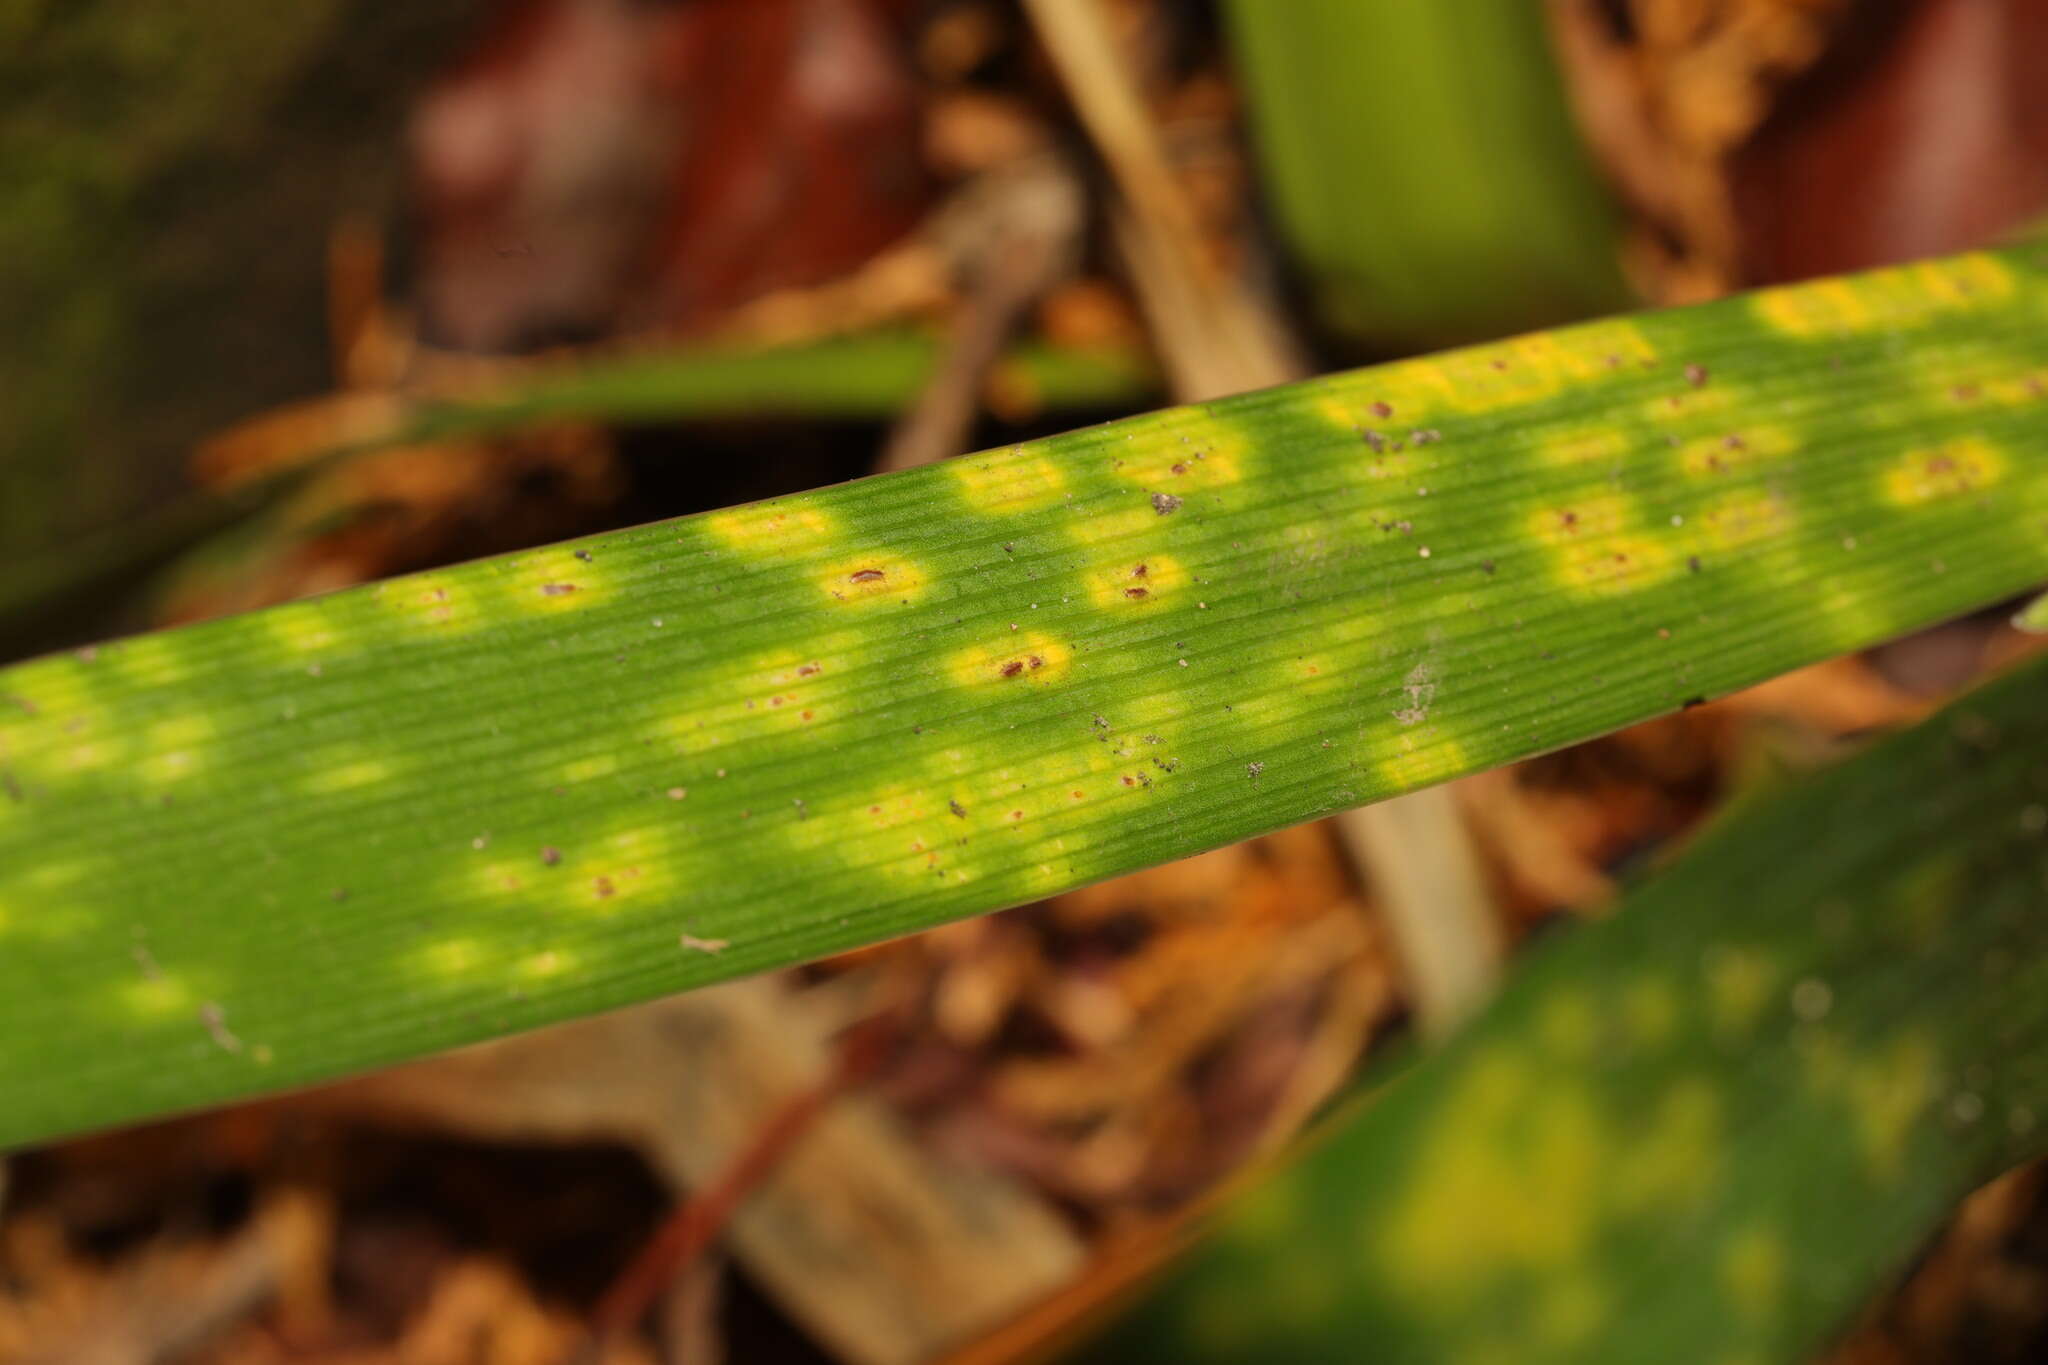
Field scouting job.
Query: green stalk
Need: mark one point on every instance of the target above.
(1706, 1129)
(1423, 167)
(276, 848)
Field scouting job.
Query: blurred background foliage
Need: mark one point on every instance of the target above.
(303, 295)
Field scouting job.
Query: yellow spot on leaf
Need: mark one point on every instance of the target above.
(1616, 565)
(1571, 1310)
(1500, 375)
(1745, 519)
(1903, 296)
(347, 774)
(1952, 469)
(772, 528)
(1582, 521)
(156, 660)
(1420, 761)
(1137, 583)
(156, 996)
(1569, 1025)
(436, 601)
(586, 769)
(873, 578)
(1734, 450)
(1595, 445)
(1508, 1183)
(452, 957)
(300, 628)
(1753, 1267)
(1740, 982)
(544, 965)
(175, 746)
(1675, 1155)
(1026, 657)
(1888, 1093)
(557, 580)
(1178, 467)
(1685, 404)
(1649, 1011)
(1108, 527)
(1008, 481)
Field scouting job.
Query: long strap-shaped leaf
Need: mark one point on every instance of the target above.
(1704, 1130)
(278, 847)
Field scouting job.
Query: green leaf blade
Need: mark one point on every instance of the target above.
(1703, 1129)
(272, 849)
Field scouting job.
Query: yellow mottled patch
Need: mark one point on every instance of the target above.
(545, 965)
(433, 600)
(1731, 451)
(1009, 481)
(1571, 1310)
(1617, 564)
(1822, 308)
(1753, 1267)
(1266, 1215)
(1509, 1182)
(1021, 658)
(1952, 469)
(153, 659)
(1598, 349)
(341, 774)
(1927, 897)
(1887, 1093)
(1137, 583)
(878, 577)
(91, 751)
(452, 956)
(498, 877)
(1569, 1025)
(1682, 407)
(1500, 375)
(156, 996)
(300, 628)
(774, 693)
(176, 746)
(1964, 282)
(1593, 445)
(1649, 1011)
(1675, 1155)
(773, 528)
(556, 580)
(1740, 982)
(1745, 519)
(587, 769)
(599, 875)
(1421, 761)
(1903, 296)
(899, 807)
(1583, 520)
(1107, 527)
(1180, 467)
(1387, 398)
(2023, 386)
(1595, 551)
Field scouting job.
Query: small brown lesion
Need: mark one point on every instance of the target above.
(866, 576)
